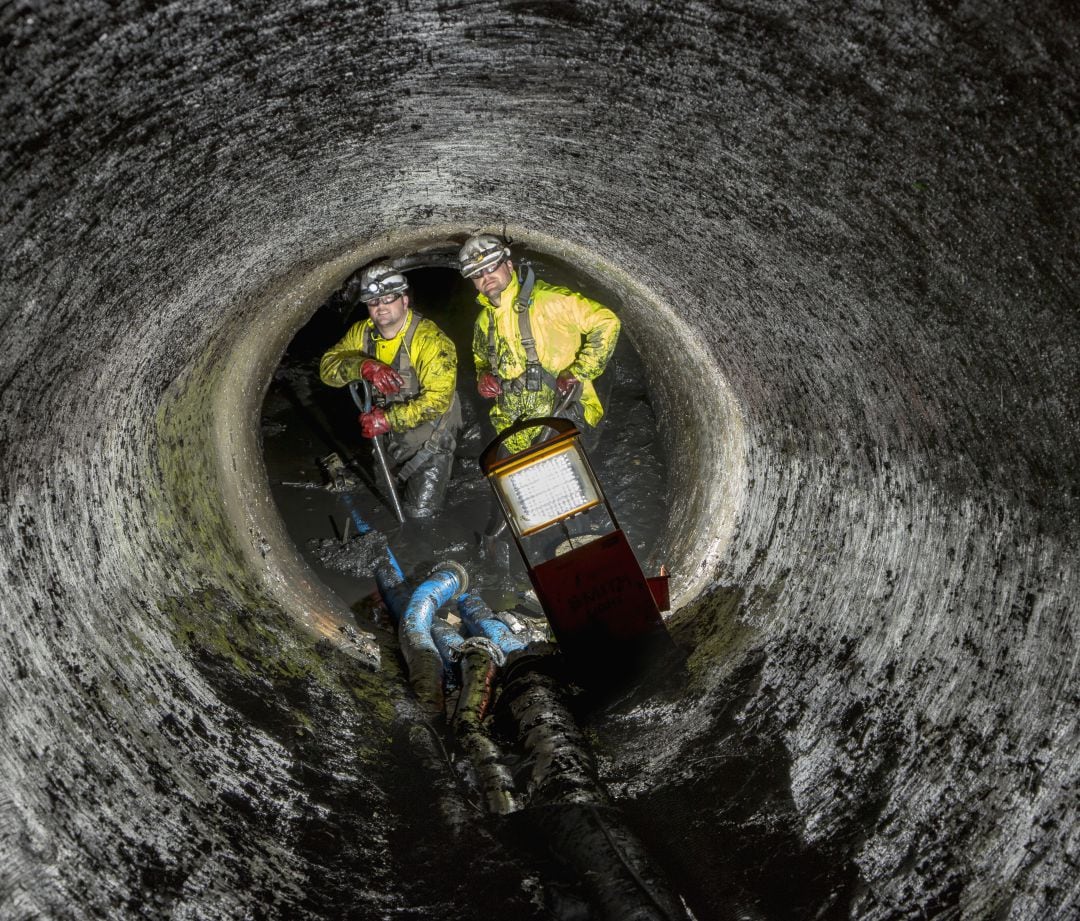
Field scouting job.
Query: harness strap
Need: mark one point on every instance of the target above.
(523, 301)
(527, 341)
(401, 362)
(533, 368)
(493, 353)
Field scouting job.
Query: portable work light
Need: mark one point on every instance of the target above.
(585, 574)
(539, 489)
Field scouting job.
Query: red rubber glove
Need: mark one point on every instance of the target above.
(488, 385)
(565, 383)
(381, 376)
(374, 423)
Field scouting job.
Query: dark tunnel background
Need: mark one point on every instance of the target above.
(844, 236)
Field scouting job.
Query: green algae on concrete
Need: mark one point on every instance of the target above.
(217, 531)
(261, 643)
(713, 630)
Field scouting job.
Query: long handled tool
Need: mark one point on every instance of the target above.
(364, 405)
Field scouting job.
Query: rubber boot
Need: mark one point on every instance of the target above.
(425, 490)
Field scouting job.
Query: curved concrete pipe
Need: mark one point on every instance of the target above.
(841, 235)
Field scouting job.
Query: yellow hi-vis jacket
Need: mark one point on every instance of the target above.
(433, 360)
(572, 333)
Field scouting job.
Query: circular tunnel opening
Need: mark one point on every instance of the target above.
(263, 382)
(668, 452)
(701, 432)
(305, 423)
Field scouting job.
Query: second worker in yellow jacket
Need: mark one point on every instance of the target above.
(535, 345)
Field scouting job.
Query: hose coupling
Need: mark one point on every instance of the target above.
(458, 570)
(481, 642)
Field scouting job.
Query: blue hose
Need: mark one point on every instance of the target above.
(480, 621)
(426, 645)
(388, 575)
(432, 594)
(447, 640)
(426, 661)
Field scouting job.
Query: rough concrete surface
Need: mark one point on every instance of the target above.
(846, 238)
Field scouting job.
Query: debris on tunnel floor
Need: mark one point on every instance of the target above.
(508, 703)
(353, 556)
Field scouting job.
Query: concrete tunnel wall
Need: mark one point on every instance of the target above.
(860, 222)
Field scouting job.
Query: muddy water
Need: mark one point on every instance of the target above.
(304, 420)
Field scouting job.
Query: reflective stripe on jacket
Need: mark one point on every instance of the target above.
(433, 360)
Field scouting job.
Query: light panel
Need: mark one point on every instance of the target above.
(551, 488)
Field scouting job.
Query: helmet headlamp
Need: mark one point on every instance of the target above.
(381, 279)
(482, 254)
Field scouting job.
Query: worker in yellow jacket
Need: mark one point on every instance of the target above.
(535, 345)
(411, 366)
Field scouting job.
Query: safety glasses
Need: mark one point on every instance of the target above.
(385, 300)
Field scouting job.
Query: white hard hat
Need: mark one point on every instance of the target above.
(381, 278)
(481, 252)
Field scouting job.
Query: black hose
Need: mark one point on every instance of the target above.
(478, 658)
(569, 806)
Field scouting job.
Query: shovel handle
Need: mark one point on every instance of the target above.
(364, 406)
